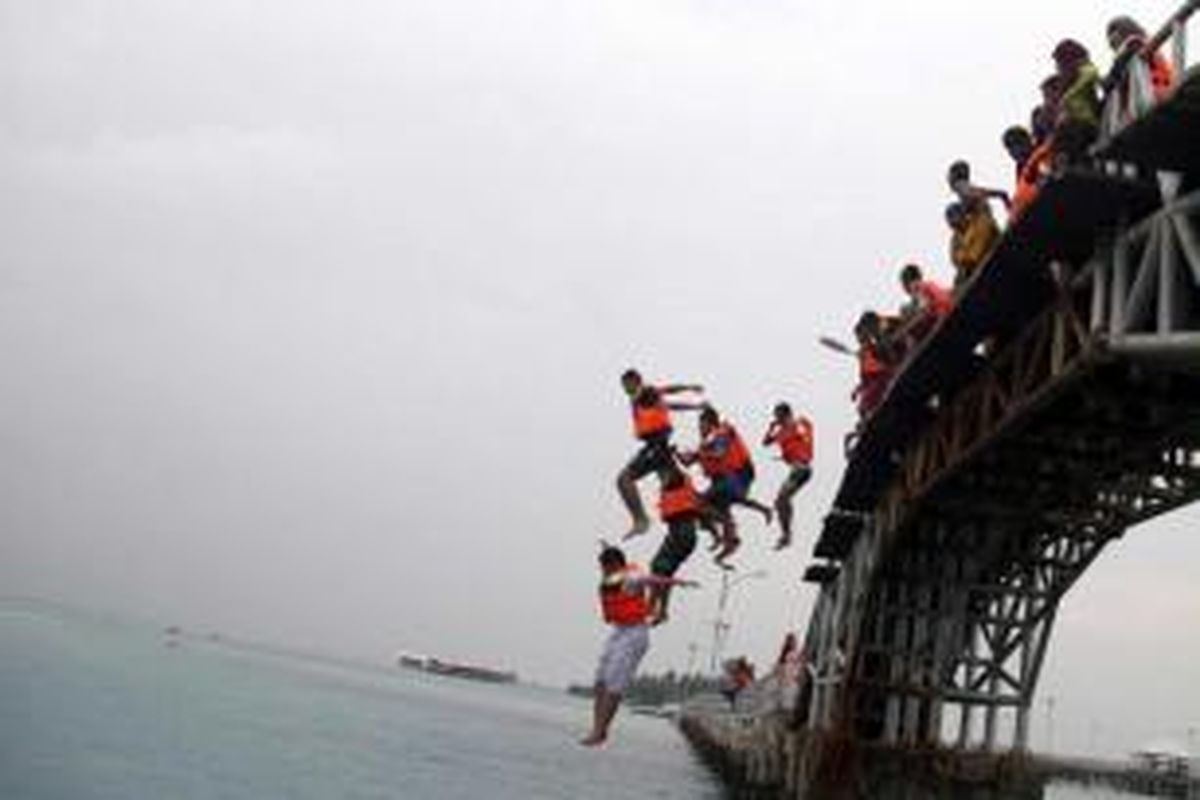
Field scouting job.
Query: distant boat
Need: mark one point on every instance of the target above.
(451, 669)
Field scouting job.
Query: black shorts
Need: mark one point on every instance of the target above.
(676, 546)
(726, 489)
(795, 480)
(654, 455)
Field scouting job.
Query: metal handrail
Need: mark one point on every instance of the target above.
(1134, 95)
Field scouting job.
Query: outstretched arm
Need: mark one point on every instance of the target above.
(650, 579)
(685, 406)
(681, 388)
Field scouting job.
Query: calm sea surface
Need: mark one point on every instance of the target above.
(97, 711)
(93, 710)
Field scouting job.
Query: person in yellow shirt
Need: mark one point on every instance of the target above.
(974, 234)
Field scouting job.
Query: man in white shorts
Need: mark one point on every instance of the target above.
(625, 604)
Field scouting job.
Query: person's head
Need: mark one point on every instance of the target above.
(782, 412)
(1051, 88)
(867, 327)
(612, 559)
(709, 419)
(958, 174)
(956, 216)
(1068, 56)
(910, 278)
(1019, 143)
(1121, 30)
(631, 381)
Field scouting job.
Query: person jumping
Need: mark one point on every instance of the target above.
(681, 509)
(652, 426)
(726, 461)
(625, 605)
(794, 435)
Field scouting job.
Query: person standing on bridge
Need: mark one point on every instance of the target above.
(875, 362)
(973, 234)
(625, 605)
(1078, 103)
(652, 427)
(794, 436)
(1032, 164)
(726, 461)
(929, 303)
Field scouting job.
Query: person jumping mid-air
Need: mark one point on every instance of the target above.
(725, 459)
(625, 605)
(794, 435)
(652, 426)
(681, 509)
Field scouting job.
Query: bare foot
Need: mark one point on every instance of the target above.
(639, 527)
(593, 739)
(730, 547)
(783, 542)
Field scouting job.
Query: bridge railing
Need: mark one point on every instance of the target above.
(1134, 95)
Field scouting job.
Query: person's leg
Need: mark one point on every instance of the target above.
(676, 548)
(783, 502)
(626, 647)
(604, 708)
(642, 464)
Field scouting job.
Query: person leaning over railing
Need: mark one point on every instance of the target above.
(1032, 163)
(973, 234)
(1128, 41)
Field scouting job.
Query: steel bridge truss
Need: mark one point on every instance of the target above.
(1088, 422)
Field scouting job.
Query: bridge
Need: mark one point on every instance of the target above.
(1055, 408)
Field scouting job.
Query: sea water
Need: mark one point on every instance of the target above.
(93, 710)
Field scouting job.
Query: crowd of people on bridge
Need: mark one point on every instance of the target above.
(1059, 136)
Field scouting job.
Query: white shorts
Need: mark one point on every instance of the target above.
(622, 653)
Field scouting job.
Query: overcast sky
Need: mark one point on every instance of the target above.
(311, 313)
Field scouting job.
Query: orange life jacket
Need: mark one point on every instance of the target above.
(1162, 75)
(795, 440)
(1029, 178)
(733, 458)
(650, 420)
(619, 606)
(678, 500)
(869, 364)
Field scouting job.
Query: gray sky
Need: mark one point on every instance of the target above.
(312, 313)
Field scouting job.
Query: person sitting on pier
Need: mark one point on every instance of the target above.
(652, 426)
(1078, 103)
(1032, 166)
(681, 509)
(1128, 41)
(625, 605)
(973, 234)
(794, 436)
(726, 461)
(929, 302)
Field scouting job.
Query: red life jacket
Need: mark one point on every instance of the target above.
(732, 459)
(678, 500)
(937, 300)
(652, 419)
(869, 364)
(621, 607)
(795, 440)
(1162, 75)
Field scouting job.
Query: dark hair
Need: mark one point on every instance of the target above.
(959, 171)
(1125, 25)
(782, 408)
(708, 414)
(1069, 52)
(1016, 135)
(910, 273)
(868, 324)
(631, 374)
(612, 557)
(954, 211)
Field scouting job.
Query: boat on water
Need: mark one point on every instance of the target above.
(453, 669)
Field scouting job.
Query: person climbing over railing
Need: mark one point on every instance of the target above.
(726, 461)
(652, 427)
(976, 198)
(794, 436)
(1045, 116)
(1078, 104)
(877, 357)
